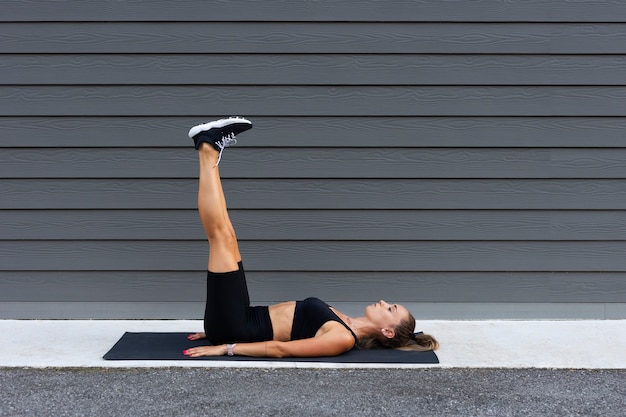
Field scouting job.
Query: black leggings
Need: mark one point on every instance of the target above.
(228, 316)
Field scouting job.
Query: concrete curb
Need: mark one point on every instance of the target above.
(584, 344)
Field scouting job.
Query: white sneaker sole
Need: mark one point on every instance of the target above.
(216, 123)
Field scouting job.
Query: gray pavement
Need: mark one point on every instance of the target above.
(311, 392)
(488, 368)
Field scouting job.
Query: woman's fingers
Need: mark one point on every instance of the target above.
(202, 351)
(196, 336)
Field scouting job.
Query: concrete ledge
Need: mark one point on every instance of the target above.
(584, 344)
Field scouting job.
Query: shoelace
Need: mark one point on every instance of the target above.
(228, 140)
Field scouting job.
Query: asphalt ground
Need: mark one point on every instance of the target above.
(311, 392)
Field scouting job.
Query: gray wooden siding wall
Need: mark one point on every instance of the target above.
(466, 158)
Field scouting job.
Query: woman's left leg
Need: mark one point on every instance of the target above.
(210, 140)
(224, 254)
(228, 316)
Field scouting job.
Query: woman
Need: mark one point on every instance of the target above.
(307, 328)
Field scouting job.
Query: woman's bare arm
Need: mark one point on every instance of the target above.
(332, 343)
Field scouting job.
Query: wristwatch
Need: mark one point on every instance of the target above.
(229, 349)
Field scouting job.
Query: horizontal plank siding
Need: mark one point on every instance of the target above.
(297, 194)
(408, 287)
(333, 10)
(311, 225)
(415, 163)
(312, 69)
(465, 158)
(327, 131)
(314, 38)
(322, 255)
(314, 100)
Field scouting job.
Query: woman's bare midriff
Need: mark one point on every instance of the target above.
(281, 316)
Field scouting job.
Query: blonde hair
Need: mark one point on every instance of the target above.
(404, 339)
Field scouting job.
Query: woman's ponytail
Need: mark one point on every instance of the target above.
(404, 339)
(422, 342)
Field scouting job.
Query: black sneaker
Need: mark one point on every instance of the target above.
(220, 133)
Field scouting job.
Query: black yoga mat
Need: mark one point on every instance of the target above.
(170, 346)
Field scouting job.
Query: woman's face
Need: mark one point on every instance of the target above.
(386, 315)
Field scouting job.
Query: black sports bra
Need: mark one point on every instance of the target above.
(311, 314)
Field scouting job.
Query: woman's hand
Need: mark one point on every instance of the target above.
(219, 350)
(196, 336)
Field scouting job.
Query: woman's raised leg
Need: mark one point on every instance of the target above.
(223, 249)
(210, 140)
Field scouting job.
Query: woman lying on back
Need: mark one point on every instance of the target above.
(307, 328)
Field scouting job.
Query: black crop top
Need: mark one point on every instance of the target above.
(311, 314)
